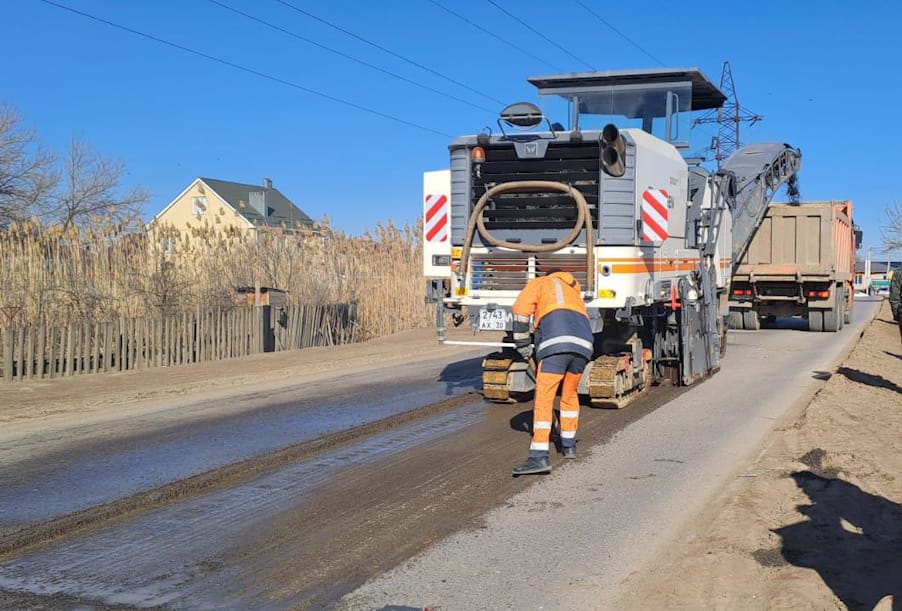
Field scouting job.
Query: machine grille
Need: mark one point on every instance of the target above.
(509, 271)
(575, 164)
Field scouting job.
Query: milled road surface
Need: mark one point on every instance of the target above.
(45, 480)
(302, 525)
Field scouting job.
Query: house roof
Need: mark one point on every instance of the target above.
(279, 209)
(877, 267)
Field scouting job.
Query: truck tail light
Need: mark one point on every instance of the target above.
(818, 294)
(742, 292)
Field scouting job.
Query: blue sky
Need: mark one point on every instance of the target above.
(823, 74)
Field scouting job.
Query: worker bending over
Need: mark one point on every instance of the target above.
(563, 347)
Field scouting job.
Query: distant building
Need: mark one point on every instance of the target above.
(880, 275)
(226, 204)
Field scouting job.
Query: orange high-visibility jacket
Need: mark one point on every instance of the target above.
(559, 316)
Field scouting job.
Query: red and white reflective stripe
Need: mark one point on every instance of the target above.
(435, 218)
(654, 215)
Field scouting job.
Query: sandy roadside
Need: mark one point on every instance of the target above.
(816, 521)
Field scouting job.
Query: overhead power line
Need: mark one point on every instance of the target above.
(253, 71)
(618, 32)
(349, 57)
(538, 33)
(495, 36)
(389, 51)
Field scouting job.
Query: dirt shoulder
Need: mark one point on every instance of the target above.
(27, 401)
(816, 521)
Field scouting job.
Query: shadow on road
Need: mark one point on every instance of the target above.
(522, 422)
(787, 323)
(465, 375)
(853, 540)
(869, 379)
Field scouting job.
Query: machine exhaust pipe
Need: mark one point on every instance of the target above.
(612, 162)
(610, 136)
(613, 155)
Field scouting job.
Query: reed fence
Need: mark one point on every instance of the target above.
(127, 344)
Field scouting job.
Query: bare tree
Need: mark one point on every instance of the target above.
(892, 228)
(26, 171)
(91, 189)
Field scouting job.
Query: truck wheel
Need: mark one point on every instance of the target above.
(841, 307)
(750, 320)
(847, 310)
(734, 320)
(832, 318)
(815, 321)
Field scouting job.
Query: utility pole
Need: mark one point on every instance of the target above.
(867, 272)
(729, 117)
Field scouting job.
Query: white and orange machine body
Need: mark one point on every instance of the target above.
(647, 234)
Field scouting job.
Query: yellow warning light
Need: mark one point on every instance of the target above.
(607, 293)
(477, 154)
(456, 252)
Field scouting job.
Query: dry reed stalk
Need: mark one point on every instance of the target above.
(54, 276)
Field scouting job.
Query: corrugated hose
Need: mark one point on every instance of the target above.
(583, 221)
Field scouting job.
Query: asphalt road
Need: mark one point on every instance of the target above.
(52, 473)
(303, 523)
(569, 541)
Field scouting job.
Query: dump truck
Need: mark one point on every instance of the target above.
(800, 262)
(650, 235)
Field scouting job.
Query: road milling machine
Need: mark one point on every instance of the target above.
(651, 236)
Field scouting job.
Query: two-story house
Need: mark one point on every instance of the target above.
(224, 204)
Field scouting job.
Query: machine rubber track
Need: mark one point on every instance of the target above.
(611, 381)
(495, 371)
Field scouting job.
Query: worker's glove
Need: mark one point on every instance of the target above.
(525, 351)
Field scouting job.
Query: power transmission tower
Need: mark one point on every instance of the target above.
(729, 117)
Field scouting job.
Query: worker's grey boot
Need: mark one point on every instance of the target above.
(534, 465)
(569, 452)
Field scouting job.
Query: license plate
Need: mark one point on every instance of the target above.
(493, 320)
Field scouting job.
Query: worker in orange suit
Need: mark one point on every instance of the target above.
(563, 347)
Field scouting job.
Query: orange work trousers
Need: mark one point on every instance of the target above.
(546, 389)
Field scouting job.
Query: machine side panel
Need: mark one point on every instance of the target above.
(460, 193)
(617, 217)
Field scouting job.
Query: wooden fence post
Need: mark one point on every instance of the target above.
(42, 339)
(29, 354)
(8, 337)
(70, 349)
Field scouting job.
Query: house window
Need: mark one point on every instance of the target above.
(200, 205)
